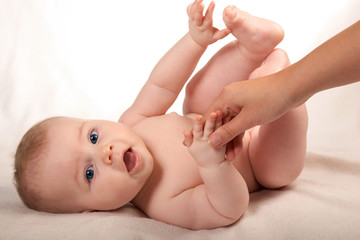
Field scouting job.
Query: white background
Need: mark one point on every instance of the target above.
(90, 58)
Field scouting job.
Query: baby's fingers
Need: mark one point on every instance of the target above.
(219, 120)
(208, 18)
(220, 34)
(198, 127)
(195, 12)
(210, 125)
(199, 9)
(191, 10)
(188, 138)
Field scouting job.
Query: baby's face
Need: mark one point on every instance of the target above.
(94, 164)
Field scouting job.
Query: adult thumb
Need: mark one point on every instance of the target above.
(230, 130)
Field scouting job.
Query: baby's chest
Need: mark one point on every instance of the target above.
(171, 176)
(175, 170)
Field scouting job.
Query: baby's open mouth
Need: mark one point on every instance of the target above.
(130, 160)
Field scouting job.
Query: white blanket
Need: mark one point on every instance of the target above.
(90, 58)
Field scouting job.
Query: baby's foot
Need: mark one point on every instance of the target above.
(256, 36)
(198, 143)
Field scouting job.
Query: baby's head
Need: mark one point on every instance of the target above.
(74, 165)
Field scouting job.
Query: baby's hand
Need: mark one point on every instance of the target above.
(198, 143)
(201, 27)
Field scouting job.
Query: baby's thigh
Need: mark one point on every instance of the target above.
(243, 165)
(277, 151)
(201, 91)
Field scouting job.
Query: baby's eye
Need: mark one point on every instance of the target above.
(93, 137)
(89, 174)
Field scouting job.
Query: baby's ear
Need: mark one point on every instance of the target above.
(86, 211)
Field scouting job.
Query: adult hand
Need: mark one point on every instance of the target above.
(250, 103)
(334, 63)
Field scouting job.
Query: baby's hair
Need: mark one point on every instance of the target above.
(30, 151)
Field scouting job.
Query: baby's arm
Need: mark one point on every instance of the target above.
(176, 66)
(224, 194)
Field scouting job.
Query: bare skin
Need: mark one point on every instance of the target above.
(193, 186)
(334, 63)
(260, 158)
(224, 67)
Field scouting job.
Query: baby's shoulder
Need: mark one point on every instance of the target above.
(170, 123)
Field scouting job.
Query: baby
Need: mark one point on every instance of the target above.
(163, 163)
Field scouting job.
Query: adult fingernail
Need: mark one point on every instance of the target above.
(215, 140)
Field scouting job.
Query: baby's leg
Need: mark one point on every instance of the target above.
(277, 149)
(256, 39)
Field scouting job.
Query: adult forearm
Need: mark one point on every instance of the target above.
(258, 101)
(334, 63)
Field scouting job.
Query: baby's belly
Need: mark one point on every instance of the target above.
(175, 168)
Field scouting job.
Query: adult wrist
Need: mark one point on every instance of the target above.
(296, 82)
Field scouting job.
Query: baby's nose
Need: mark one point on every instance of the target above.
(107, 154)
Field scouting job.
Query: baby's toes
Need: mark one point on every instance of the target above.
(231, 16)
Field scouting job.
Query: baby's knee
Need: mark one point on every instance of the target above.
(279, 58)
(276, 61)
(280, 178)
(282, 57)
